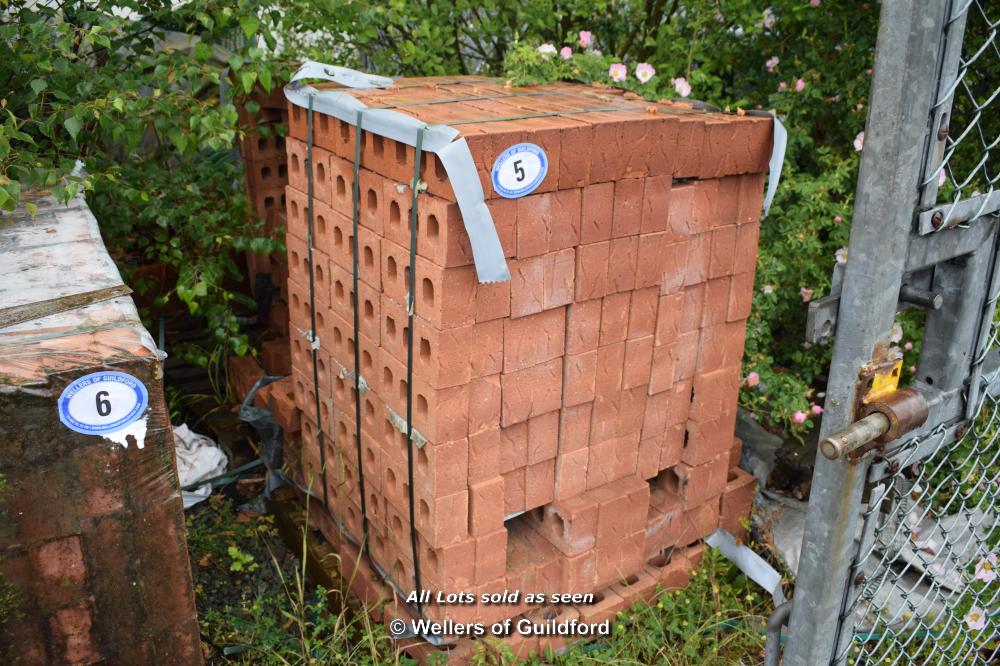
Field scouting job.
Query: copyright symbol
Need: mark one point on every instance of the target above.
(397, 627)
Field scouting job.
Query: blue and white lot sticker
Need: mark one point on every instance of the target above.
(102, 402)
(519, 170)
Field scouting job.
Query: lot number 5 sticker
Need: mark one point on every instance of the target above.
(102, 402)
(519, 170)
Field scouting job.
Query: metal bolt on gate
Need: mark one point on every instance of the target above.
(899, 558)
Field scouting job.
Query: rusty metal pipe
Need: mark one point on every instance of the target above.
(854, 436)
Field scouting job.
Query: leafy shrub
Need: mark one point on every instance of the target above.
(134, 94)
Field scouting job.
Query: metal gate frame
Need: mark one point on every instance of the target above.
(901, 241)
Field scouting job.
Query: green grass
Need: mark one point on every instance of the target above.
(256, 607)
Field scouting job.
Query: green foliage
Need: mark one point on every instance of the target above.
(255, 606)
(808, 64)
(134, 95)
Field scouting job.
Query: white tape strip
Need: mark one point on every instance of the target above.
(778, 146)
(749, 562)
(491, 266)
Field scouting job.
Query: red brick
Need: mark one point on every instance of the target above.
(740, 297)
(441, 415)
(737, 499)
(637, 586)
(72, 634)
(656, 204)
(642, 313)
(652, 261)
(628, 203)
(484, 455)
(622, 264)
(675, 258)
(699, 254)
(583, 326)
(700, 483)
(514, 447)
(571, 473)
(610, 368)
(579, 576)
(532, 391)
(574, 428)
(484, 403)
(543, 437)
(491, 553)
(716, 302)
(486, 502)
(539, 484)
(721, 346)
(527, 286)
(570, 525)
(514, 491)
(598, 212)
(580, 377)
(723, 251)
(574, 155)
(592, 263)
(534, 339)
(751, 198)
(548, 222)
(638, 359)
(614, 318)
(745, 259)
(276, 356)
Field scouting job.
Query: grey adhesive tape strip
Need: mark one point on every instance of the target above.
(778, 144)
(749, 562)
(487, 253)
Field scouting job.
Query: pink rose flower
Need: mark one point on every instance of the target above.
(986, 568)
(806, 294)
(859, 141)
(782, 85)
(908, 346)
(800, 85)
(753, 379)
(976, 618)
(546, 50)
(617, 72)
(644, 72)
(682, 86)
(816, 409)
(565, 53)
(771, 63)
(814, 3)
(586, 39)
(799, 417)
(838, 219)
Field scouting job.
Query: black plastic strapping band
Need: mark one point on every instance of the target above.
(411, 307)
(312, 298)
(357, 338)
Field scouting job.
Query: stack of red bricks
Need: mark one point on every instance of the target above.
(264, 157)
(579, 418)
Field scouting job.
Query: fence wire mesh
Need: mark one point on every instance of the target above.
(927, 577)
(965, 174)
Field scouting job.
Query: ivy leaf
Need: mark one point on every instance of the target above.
(248, 79)
(265, 79)
(73, 126)
(249, 25)
(202, 51)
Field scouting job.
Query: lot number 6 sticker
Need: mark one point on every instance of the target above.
(519, 170)
(102, 402)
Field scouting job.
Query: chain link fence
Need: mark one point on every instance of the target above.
(926, 579)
